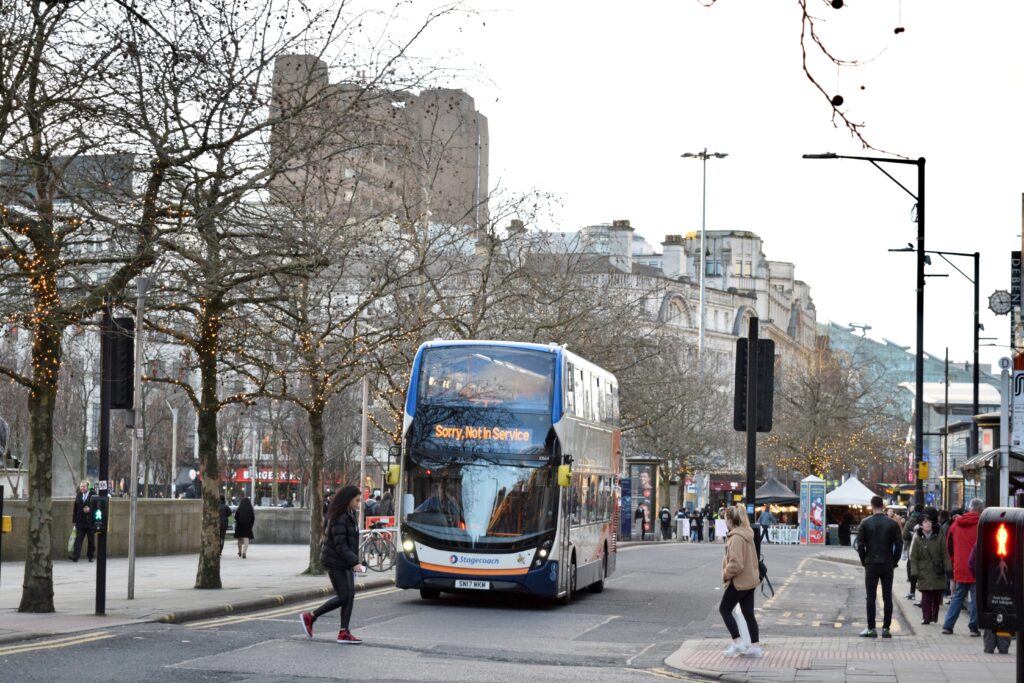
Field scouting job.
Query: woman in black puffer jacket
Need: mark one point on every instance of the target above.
(340, 556)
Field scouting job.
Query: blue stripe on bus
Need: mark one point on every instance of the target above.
(414, 380)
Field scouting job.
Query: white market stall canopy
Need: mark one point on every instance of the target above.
(852, 492)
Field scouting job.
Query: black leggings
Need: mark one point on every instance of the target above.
(745, 599)
(344, 586)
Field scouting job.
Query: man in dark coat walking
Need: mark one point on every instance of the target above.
(82, 520)
(879, 545)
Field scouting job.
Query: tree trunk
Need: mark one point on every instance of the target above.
(37, 588)
(316, 490)
(208, 574)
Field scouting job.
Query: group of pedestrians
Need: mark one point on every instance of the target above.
(939, 549)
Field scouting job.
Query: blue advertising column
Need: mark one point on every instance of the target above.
(644, 477)
(812, 511)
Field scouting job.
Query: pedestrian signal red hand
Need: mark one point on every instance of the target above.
(1002, 536)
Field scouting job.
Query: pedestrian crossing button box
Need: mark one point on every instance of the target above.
(999, 569)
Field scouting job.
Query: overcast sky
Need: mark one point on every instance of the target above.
(596, 101)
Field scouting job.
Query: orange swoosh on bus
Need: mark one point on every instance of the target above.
(473, 572)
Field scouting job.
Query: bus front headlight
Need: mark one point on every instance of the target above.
(408, 546)
(542, 553)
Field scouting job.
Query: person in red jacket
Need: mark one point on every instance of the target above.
(962, 537)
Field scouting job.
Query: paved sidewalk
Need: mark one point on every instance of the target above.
(270, 575)
(915, 652)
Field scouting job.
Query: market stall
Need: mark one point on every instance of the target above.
(783, 504)
(848, 504)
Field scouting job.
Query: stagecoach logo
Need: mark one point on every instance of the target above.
(472, 561)
(521, 559)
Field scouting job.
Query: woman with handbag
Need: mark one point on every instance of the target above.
(740, 576)
(929, 564)
(340, 556)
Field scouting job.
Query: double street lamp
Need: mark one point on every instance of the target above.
(976, 280)
(703, 155)
(919, 356)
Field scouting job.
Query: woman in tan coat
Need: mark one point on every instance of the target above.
(740, 576)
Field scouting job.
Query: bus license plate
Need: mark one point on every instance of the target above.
(478, 585)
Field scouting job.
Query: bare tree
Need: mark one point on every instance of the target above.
(834, 416)
(814, 47)
(57, 199)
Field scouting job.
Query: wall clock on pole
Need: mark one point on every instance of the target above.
(999, 302)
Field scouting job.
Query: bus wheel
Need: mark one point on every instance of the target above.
(430, 593)
(567, 598)
(598, 586)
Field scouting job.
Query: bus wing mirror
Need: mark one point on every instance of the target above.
(393, 475)
(394, 452)
(564, 475)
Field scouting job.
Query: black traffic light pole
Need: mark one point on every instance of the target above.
(752, 421)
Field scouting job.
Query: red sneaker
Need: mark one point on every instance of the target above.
(346, 638)
(307, 623)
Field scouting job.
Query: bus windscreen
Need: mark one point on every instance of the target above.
(487, 377)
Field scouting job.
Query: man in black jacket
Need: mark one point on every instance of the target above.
(879, 546)
(82, 520)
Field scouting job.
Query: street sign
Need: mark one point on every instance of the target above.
(998, 560)
(101, 485)
(139, 433)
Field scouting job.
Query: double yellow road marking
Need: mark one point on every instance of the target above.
(67, 641)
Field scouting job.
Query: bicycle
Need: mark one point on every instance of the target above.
(377, 548)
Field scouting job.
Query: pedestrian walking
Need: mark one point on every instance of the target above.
(224, 512)
(740, 576)
(845, 524)
(387, 505)
(339, 554)
(82, 520)
(963, 536)
(929, 563)
(665, 517)
(245, 518)
(641, 516)
(879, 546)
(945, 520)
(908, 531)
(765, 520)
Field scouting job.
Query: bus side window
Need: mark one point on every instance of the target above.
(595, 399)
(570, 391)
(582, 401)
(574, 501)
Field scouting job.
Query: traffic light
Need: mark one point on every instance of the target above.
(998, 559)
(765, 379)
(99, 505)
(121, 374)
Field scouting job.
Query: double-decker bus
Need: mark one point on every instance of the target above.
(509, 471)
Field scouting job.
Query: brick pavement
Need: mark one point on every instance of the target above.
(915, 653)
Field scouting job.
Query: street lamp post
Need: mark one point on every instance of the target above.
(703, 156)
(141, 285)
(174, 447)
(919, 357)
(976, 281)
